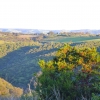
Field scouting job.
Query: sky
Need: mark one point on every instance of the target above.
(50, 14)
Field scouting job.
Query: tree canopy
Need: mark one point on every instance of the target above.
(72, 75)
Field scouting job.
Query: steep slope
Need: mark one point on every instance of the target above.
(6, 89)
(20, 65)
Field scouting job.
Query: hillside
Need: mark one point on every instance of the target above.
(19, 54)
(7, 89)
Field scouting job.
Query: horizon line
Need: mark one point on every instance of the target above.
(50, 29)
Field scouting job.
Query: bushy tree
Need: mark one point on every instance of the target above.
(74, 74)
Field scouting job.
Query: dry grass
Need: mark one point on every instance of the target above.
(2, 42)
(26, 36)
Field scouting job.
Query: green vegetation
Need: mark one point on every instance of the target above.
(72, 39)
(74, 74)
(20, 54)
(21, 57)
(77, 39)
(9, 47)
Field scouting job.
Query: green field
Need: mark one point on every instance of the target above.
(75, 39)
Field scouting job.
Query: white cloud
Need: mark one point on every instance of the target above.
(50, 14)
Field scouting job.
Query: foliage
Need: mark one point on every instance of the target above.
(73, 74)
(21, 60)
(95, 97)
(75, 39)
(19, 54)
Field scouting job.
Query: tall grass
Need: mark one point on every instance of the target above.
(2, 42)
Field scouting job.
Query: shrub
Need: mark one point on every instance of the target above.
(73, 74)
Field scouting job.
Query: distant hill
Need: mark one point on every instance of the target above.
(87, 30)
(33, 31)
(26, 31)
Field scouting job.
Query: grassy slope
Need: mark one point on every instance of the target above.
(72, 39)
